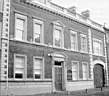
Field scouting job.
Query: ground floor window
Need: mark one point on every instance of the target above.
(85, 70)
(75, 71)
(19, 66)
(37, 68)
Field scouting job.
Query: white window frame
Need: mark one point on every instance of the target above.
(100, 41)
(58, 26)
(42, 67)
(81, 49)
(73, 32)
(42, 30)
(25, 66)
(86, 70)
(23, 17)
(77, 69)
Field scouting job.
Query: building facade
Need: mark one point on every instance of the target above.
(48, 48)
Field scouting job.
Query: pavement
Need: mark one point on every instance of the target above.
(86, 92)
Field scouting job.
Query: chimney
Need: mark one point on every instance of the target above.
(72, 9)
(86, 13)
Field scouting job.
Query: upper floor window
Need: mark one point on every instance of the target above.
(74, 44)
(37, 69)
(20, 27)
(83, 41)
(38, 31)
(97, 47)
(85, 70)
(19, 66)
(75, 70)
(58, 40)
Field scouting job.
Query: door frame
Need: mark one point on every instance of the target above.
(55, 66)
(103, 73)
(60, 58)
(105, 70)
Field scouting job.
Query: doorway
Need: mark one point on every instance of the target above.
(58, 75)
(99, 78)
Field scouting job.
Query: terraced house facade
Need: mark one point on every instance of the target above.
(49, 48)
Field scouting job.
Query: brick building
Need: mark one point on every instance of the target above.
(48, 48)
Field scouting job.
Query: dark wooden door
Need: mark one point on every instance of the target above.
(98, 76)
(58, 78)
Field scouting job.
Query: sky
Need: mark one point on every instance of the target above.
(99, 9)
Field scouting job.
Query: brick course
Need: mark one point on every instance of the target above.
(29, 49)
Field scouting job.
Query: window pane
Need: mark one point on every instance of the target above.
(73, 41)
(19, 70)
(57, 34)
(18, 75)
(75, 70)
(37, 68)
(37, 28)
(19, 34)
(19, 62)
(98, 47)
(74, 75)
(37, 76)
(37, 72)
(37, 63)
(20, 24)
(37, 38)
(84, 67)
(83, 43)
(19, 66)
(69, 74)
(37, 32)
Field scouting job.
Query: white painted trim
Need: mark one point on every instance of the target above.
(74, 32)
(25, 66)
(42, 30)
(59, 26)
(98, 40)
(45, 45)
(84, 35)
(58, 23)
(77, 69)
(87, 70)
(23, 17)
(87, 22)
(42, 67)
(62, 60)
(98, 62)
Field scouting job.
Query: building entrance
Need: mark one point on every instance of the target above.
(99, 80)
(58, 68)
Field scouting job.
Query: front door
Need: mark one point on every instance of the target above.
(58, 76)
(98, 76)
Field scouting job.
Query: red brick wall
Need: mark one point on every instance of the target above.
(34, 50)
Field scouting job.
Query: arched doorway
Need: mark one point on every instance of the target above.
(99, 78)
